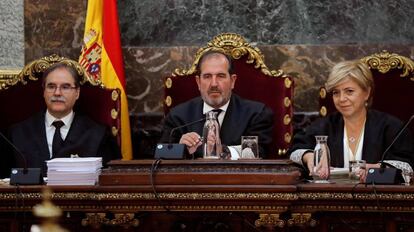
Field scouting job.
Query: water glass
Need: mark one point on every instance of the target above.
(249, 147)
(321, 160)
(355, 169)
(407, 177)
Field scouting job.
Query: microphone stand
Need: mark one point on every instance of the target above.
(25, 175)
(390, 175)
(173, 150)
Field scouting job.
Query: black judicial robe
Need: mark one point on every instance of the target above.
(243, 117)
(85, 138)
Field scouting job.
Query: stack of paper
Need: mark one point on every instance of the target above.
(73, 171)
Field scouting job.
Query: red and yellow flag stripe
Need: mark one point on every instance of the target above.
(102, 50)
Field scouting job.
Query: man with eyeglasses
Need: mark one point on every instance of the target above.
(59, 131)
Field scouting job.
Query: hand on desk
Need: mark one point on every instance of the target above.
(321, 169)
(323, 172)
(363, 172)
(308, 160)
(192, 140)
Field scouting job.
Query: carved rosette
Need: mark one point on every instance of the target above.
(269, 220)
(34, 70)
(385, 61)
(125, 220)
(95, 220)
(235, 46)
(302, 220)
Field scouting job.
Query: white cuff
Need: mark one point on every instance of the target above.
(235, 152)
(297, 155)
(404, 166)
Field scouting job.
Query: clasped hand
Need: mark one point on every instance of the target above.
(193, 140)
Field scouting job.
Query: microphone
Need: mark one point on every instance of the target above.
(389, 175)
(173, 150)
(182, 126)
(23, 175)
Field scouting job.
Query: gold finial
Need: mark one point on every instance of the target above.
(323, 111)
(322, 93)
(49, 213)
(286, 119)
(286, 101)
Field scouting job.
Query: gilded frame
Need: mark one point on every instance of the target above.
(33, 70)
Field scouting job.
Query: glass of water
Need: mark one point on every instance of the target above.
(407, 177)
(356, 167)
(249, 147)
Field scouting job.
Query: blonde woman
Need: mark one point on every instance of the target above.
(355, 132)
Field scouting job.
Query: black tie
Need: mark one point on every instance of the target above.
(218, 112)
(57, 138)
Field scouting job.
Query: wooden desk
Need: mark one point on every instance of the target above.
(224, 204)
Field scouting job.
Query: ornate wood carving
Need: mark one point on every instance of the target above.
(301, 205)
(95, 220)
(125, 220)
(8, 78)
(35, 69)
(269, 220)
(235, 46)
(302, 220)
(385, 61)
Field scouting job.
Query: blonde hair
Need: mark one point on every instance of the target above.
(355, 70)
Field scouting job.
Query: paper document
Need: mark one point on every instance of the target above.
(73, 171)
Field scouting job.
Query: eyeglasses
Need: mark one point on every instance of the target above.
(65, 88)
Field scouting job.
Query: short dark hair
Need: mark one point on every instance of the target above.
(66, 66)
(213, 53)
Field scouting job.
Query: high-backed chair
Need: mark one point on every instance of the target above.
(394, 85)
(21, 95)
(255, 81)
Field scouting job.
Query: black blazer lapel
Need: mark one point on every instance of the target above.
(373, 132)
(232, 123)
(198, 127)
(337, 142)
(41, 140)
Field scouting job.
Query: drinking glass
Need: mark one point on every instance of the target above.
(321, 160)
(407, 177)
(211, 137)
(355, 169)
(249, 147)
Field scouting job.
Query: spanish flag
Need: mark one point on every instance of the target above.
(101, 56)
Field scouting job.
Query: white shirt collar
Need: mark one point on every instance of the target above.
(207, 108)
(68, 119)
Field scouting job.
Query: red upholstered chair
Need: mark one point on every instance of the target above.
(255, 81)
(21, 95)
(394, 85)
